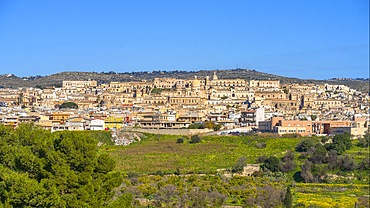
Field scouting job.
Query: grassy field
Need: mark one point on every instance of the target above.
(330, 195)
(162, 153)
(358, 153)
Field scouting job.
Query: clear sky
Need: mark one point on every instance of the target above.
(296, 38)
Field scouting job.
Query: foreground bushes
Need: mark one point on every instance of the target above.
(205, 191)
(41, 169)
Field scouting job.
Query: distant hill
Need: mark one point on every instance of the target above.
(12, 81)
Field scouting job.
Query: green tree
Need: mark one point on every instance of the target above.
(157, 91)
(195, 139)
(180, 140)
(209, 124)
(319, 154)
(288, 199)
(125, 200)
(212, 125)
(196, 126)
(313, 117)
(217, 127)
(272, 163)
(69, 105)
(43, 169)
(340, 143)
(239, 165)
(305, 145)
(364, 141)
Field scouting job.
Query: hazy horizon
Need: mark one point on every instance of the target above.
(34, 75)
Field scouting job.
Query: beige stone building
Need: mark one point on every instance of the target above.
(264, 83)
(79, 84)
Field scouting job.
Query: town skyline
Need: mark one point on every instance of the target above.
(178, 103)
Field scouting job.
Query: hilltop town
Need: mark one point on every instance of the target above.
(175, 103)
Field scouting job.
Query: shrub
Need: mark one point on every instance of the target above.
(196, 126)
(288, 165)
(324, 139)
(156, 91)
(341, 143)
(239, 165)
(319, 154)
(180, 140)
(364, 141)
(69, 105)
(258, 174)
(195, 139)
(305, 145)
(160, 173)
(177, 172)
(261, 159)
(364, 164)
(346, 163)
(272, 163)
(217, 127)
(261, 145)
(132, 175)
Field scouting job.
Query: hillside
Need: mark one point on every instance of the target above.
(12, 81)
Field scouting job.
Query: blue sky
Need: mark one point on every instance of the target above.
(296, 38)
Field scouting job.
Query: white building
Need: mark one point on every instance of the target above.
(97, 124)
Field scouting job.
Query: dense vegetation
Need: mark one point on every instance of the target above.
(41, 169)
(69, 105)
(164, 153)
(299, 163)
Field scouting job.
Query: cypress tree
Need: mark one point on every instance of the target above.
(288, 199)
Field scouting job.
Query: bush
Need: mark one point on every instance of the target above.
(239, 165)
(180, 140)
(259, 174)
(217, 127)
(196, 126)
(272, 163)
(364, 164)
(319, 154)
(69, 105)
(159, 172)
(157, 91)
(288, 162)
(324, 139)
(261, 159)
(364, 141)
(195, 139)
(261, 145)
(177, 172)
(346, 163)
(341, 143)
(42, 169)
(305, 145)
